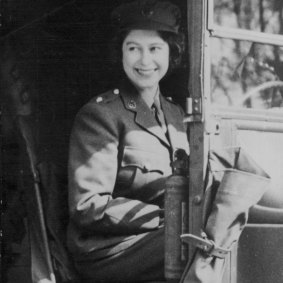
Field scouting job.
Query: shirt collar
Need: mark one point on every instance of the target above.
(155, 100)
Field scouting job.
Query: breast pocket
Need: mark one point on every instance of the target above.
(139, 167)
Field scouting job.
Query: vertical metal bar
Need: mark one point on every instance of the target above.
(210, 14)
(196, 29)
(41, 264)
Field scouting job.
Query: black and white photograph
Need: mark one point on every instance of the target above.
(141, 141)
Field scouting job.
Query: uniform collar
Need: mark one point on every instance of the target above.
(131, 96)
(144, 118)
(174, 120)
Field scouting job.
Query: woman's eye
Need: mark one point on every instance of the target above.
(155, 48)
(133, 48)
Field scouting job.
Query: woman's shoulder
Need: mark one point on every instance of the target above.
(105, 98)
(103, 101)
(174, 104)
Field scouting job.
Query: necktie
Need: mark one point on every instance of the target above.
(159, 116)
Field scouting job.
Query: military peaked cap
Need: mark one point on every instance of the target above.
(147, 14)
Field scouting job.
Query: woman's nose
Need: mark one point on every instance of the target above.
(145, 57)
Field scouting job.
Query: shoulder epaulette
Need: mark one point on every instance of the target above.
(107, 96)
(169, 98)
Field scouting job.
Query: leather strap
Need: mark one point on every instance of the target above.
(206, 245)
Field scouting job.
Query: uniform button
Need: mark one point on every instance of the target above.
(116, 91)
(99, 99)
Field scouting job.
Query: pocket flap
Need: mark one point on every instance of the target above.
(146, 161)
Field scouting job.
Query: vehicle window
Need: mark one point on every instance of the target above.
(246, 74)
(267, 152)
(257, 15)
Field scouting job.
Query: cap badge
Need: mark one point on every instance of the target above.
(147, 10)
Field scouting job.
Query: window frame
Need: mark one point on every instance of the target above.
(215, 31)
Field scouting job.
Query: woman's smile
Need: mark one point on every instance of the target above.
(146, 72)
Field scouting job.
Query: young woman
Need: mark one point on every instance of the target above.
(121, 150)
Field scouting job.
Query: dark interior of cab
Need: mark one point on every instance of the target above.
(54, 58)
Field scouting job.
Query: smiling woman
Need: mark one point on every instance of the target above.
(121, 149)
(175, 42)
(145, 60)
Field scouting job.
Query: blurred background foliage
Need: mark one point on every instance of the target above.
(246, 74)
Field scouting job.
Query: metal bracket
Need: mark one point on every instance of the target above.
(213, 126)
(206, 245)
(193, 109)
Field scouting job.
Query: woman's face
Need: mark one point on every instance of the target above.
(145, 58)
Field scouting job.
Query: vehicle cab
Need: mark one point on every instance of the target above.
(230, 85)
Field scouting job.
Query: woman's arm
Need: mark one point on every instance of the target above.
(93, 164)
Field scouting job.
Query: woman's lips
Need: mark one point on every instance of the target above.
(146, 71)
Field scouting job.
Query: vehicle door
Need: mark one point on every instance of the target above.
(236, 99)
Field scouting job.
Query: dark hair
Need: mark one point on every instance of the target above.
(175, 41)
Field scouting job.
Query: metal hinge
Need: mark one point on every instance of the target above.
(193, 109)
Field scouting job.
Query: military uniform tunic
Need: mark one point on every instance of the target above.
(118, 163)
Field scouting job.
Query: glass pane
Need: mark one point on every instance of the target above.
(257, 15)
(246, 74)
(266, 149)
